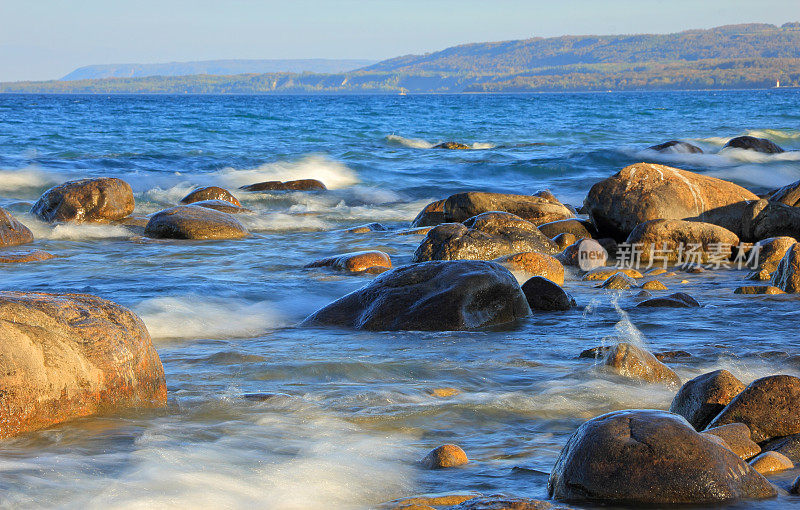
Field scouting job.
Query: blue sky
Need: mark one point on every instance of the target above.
(44, 39)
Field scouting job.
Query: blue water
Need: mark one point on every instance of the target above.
(355, 410)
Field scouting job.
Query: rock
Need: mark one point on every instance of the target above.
(769, 406)
(758, 290)
(656, 271)
(221, 206)
(501, 502)
(543, 294)
(586, 254)
(603, 273)
(534, 263)
(788, 446)
(751, 143)
(762, 219)
(759, 276)
(64, 356)
(693, 268)
(355, 262)
(367, 228)
(452, 146)
(564, 240)
(431, 215)
(645, 191)
(702, 398)
(484, 237)
(671, 355)
(649, 457)
(190, 222)
(787, 275)
(788, 195)
(618, 281)
(634, 362)
(432, 296)
(210, 193)
(433, 499)
(576, 227)
(298, 185)
(26, 256)
(771, 462)
(537, 210)
(771, 251)
(416, 231)
(445, 456)
(86, 200)
(736, 437)
(676, 147)
(661, 240)
(676, 300)
(12, 232)
(444, 392)
(795, 488)
(654, 285)
(642, 295)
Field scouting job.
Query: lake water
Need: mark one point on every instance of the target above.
(355, 411)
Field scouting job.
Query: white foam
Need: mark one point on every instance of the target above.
(192, 316)
(281, 222)
(413, 143)
(333, 174)
(483, 145)
(27, 178)
(74, 231)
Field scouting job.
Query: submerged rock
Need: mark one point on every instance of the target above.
(787, 275)
(297, 185)
(434, 296)
(647, 457)
(64, 356)
(445, 456)
(604, 273)
(86, 200)
(702, 398)
(367, 228)
(736, 437)
(451, 146)
(25, 256)
(12, 232)
(501, 502)
(634, 362)
(676, 300)
(430, 500)
(670, 239)
(543, 294)
(210, 193)
(534, 263)
(355, 262)
(537, 210)
(752, 143)
(431, 215)
(190, 222)
(676, 147)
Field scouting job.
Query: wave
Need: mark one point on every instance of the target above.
(74, 231)
(333, 174)
(28, 179)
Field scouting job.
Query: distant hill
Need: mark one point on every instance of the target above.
(215, 67)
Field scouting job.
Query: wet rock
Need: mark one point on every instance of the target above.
(788, 195)
(642, 295)
(758, 290)
(86, 200)
(445, 456)
(543, 294)
(12, 232)
(537, 210)
(64, 356)
(670, 239)
(416, 231)
(355, 262)
(676, 147)
(190, 222)
(644, 192)
(452, 146)
(693, 268)
(769, 406)
(586, 254)
(788, 446)
(535, 264)
(579, 228)
(762, 219)
(367, 228)
(434, 296)
(564, 240)
(771, 462)
(787, 275)
(736, 437)
(759, 276)
(595, 352)
(26, 256)
(634, 362)
(431, 215)
(646, 457)
(795, 488)
(671, 355)
(603, 273)
(654, 285)
(618, 281)
(433, 499)
(501, 502)
(484, 237)
(702, 398)
(676, 300)
(221, 206)
(297, 185)
(752, 143)
(771, 251)
(208, 193)
(656, 271)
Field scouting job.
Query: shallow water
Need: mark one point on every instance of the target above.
(354, 410)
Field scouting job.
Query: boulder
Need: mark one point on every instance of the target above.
(86, 200)
(587, 254)
(702, 398)
(579, 228)
(190, 222)
(537, 210)
(634, 362)
(649, 457)
(618, 281)
(535, 264)
(433, 296)
(64, 356)
(564, 240)
(25, 256)
(676, 147)
(751, 143)
(210, 193)
(543, 294)
(451, 146)
(297, 185)
(484, 237)
(12, 232)
(758, 290)
(645, 191)
(445, 456)
(788, 446)
(787, 275)
(676, 300)
(787, 195)
(221, 206)
(769, 406)
(355, 262)
(431, 215)
(771, 251)
(771, 462)
(762, 219)
(669, 240)
(737, 439)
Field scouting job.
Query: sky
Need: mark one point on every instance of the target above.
(46, 39)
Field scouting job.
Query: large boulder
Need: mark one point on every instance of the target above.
(86, 200)
(671, 240)
(543, 294)
(702, 398)
(676, 147)
(297, 185)
(65, 356)
(787, 195)
(751, 143)
(12, 232)
(432, 296)
(787, 274)
(432, 214)
(538, 210)
(190, 222)
(770, 406)
(210, 193)
(646, 191)
(636, 363)
(649, 457)
(762, 219)
(484, 237)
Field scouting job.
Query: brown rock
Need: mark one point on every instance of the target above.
(416, 231)
(586, 254)
(537, 210)
(431, 215)
(452, 146)
(676, 300)
(762, 219)
(759, 276)
(210, 193)
(702, 398)
(12, 232)
(663, 239)
(618, 281)
(788, 195)
(433, 499)
(190, 222)
(444, 392)
(534, 263)
(542, 294)
(86, 200)
(221, 206)
(648, 457)
(771, 462)
(65, 356)
(758, 289)
(788, 446)
(574, 226)
(355, 262)
(787, 276)
(656, 271)
(654, 285)
(736, 437)
(298, 185)
(445, 456)
(604, 273)
(564, 240)
(634, 362)
(506, 503)
(26, 256)
(771, 251)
